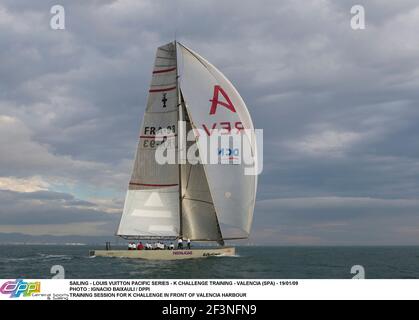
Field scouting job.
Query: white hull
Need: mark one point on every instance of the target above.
(178, 254)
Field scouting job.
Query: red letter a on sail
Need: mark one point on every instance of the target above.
(215, 101)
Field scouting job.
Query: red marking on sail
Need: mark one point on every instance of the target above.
(164, 70)
(215, 102)
(152, 185)
(162, 90)
(207, 130)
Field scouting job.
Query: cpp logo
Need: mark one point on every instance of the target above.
(20, 287)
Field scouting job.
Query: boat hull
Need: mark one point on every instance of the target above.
(178, 254)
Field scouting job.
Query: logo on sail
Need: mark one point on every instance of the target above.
(223, 134)
(215, 101)
(164, 100)
(217, 148)
(224, 141)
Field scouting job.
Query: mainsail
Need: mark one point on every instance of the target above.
(197, 201)
(151, 205)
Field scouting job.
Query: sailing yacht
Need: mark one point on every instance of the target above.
(189, 102)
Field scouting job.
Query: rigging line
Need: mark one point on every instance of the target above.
(198, 200)
(190, 166)
(187, 181)
(202, 61)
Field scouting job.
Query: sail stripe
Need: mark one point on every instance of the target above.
(164, 70)
(153, 185)
(166, 58)
(168, 85)
(163, 89)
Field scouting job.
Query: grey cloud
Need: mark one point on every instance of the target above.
(22, 156)
(337, 220)
(39, 208)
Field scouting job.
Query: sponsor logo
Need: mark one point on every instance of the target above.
(229, 154)
(215, 100)
(186, 253)
(19, 288)
(222, 138)
(210, 254)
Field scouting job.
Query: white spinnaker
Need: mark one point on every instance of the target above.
(233, 192)
(152, 202)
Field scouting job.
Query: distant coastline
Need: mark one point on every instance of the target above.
(69, 240)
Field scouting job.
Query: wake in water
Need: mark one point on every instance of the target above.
(54, 256)
(235, 256)
(39, 257)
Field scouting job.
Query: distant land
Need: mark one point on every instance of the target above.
(20, 238)
(26, 239)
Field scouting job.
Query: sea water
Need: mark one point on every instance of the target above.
(253, 262)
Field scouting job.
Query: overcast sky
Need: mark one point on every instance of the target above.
(339, 109)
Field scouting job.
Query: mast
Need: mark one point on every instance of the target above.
(180, 118)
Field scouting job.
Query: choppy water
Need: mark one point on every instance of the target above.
(35, 261)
